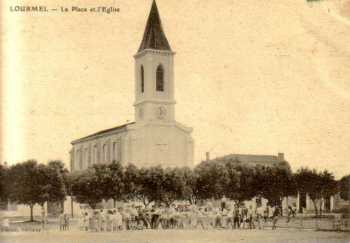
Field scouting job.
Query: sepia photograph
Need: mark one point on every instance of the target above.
(164, 121)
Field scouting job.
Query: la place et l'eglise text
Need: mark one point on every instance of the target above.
(39, 8)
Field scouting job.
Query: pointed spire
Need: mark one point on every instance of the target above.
(154, 37)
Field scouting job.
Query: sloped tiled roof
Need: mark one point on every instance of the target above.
(154, 37)
(120, 128)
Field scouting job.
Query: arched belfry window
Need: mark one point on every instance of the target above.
(142, 80)
(160, 78)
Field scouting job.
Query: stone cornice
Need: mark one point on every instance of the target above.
(161, 52)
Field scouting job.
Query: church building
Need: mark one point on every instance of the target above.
(155, 138)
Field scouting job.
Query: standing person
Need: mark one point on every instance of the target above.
(266, 213)
(225, 218)
(218, 218)
(275, 215)
(271, 210)
(294, 210)
(61, 220)
(86, 221)
(133, 216)
(223, 203)
(125, 218)
(259, 216)
(164, 218)
(155, 217)
(250, 217)
(108, 219)
(244, 216)
(81, 221)
(142, 218)
(94, 221)
(66, 221)
(193, 218)
(103, 220)
(114, 220)
(201, 218)
(43, 218)
(99, 221)
(236, 218)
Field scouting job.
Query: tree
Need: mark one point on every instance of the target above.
(308, 182)
(115, 189)
(242, 182)
(62, 171)
(132, 185)
(229, 177)
(50, 184)
(274, 184)
(63, 174)
(344, 187)
(86, 187)
(32, 183)
(150, 184)
(212, 180)
(318, 185)
(175, 185)
(3, 183)
(25, 185)
(328, 185)
(190, 190)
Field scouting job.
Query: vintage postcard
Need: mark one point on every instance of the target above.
(175, 121)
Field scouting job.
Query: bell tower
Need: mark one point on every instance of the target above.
(154, 74)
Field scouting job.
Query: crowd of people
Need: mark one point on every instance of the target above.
(135, 217)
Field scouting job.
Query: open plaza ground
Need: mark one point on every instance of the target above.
(294, 231)
(178, 236)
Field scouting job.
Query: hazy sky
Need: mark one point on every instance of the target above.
(252, 76)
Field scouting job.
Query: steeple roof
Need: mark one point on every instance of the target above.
(154, 37)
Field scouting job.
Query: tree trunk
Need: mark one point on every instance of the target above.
(31, 213)
(62, 206)
(114, 203)
(92, 205)
(315, 207)
(71, 206)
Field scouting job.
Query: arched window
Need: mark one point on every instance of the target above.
(85, 155)
(95, 154)
(116, 151)
(142, 80)
(80, 159)
(160, 78)
(88, 157)
(105, 153)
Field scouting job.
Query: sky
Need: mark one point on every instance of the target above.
(251, 77)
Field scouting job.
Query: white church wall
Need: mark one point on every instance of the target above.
(92, 151)
(160, 144)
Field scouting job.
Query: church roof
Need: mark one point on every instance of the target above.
(154, 37)
(117, 129)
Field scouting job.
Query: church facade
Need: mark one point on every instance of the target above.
(155, 138)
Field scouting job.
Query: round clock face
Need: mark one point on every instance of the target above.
(161, 112)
